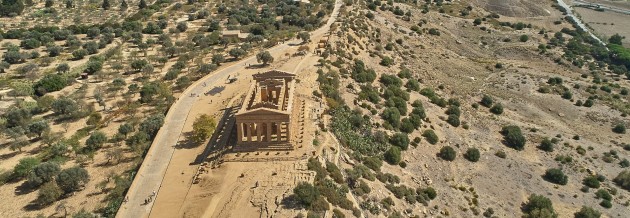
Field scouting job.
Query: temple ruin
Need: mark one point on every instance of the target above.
(264, 120)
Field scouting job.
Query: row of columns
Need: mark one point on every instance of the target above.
(262, 132)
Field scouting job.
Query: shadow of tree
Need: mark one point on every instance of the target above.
(24, 188)
(215, 90)
(290, 202)
(188, 143)
(8, 155)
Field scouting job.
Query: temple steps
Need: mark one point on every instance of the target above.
(264, 147)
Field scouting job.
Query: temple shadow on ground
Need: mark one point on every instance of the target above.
(221, 138)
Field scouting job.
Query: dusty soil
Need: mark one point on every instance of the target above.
(464, 66)
(515, 8)
(606, 23)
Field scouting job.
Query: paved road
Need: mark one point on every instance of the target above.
(579, 21)
(151, 173)
(602, 6)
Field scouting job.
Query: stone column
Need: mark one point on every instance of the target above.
(258, 132)
(239, 132)
(243, 127)
(268, 128)
(288, 132)
(249, 131)
(279, 129)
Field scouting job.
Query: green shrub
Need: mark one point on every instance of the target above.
(373, 163)
(501, 154)
(50, 83)
(334, 172)
(453, 120)
(472, 154)
(538, 206)
(546, 145)
(430, 136)
(306, 194)
(555, 81)
(43, 173)
(447, 153)
(338, 214)
(606, 204)
(392, 155)
(24, 167)
(556, 176)
(400, 140)
(48, 194)
(433, 31)
(497, 109)
(429, 191)
(603, 194)
(486, 101)
(95, 141)
(387, 61)
(524, 38)
(567, 95)
(72, 179)
(619, 128)
(588, 103)
(320, 205)
(587, 212)
(513, 137)
(591, 181)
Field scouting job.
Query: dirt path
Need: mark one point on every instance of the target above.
(151, 173)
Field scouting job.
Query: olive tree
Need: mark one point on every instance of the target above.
(95, 141)
(264, 57)
(152, 124)
(43, 173)
(203, 127)
(125, 129)
(25, 166)
(237, 53)
(48, 194)
(65, 106)
(304, 36)
(218, 59)
(38, 128)
(72, 179)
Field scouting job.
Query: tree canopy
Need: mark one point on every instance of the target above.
(203, 127)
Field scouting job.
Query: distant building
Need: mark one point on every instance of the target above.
(234, 35)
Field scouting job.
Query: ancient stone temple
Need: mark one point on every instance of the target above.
(264, 120)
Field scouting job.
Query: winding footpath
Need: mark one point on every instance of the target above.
(150, 175)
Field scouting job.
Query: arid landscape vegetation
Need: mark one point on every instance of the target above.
(430, 108)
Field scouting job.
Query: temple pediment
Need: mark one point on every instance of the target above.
(263, 112)
(273, 74)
